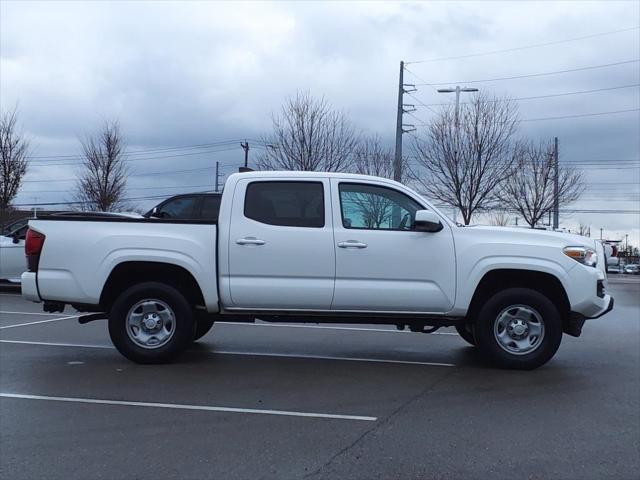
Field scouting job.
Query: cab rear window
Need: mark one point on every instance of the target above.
(286, 204)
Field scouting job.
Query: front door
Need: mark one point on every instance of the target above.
(381, 263)
(281, 253)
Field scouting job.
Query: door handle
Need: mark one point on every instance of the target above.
(352, 244)
(249, 241)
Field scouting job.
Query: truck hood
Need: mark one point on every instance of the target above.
(533, 236)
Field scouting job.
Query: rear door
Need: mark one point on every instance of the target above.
(281, 253)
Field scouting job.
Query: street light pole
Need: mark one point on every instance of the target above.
(457, 91)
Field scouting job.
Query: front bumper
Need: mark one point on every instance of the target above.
(586, 289)
(608, 309)
(573, 325)
(30, 287)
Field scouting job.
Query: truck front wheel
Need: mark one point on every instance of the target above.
(466, 332)
(518, 328)
(151, 323)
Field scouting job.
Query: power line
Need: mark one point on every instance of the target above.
(529, 75)
(560, 117)
(424, 82)
(576, 164)
(421, 103)
(129, 155)
(552, 95)
(46, 204)
(172, 172)
(524, 47)
(193, 170)
(128, 188)
(177, 155)
(143, 151)
(580, 115)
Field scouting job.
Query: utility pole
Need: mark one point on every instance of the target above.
(397, 161)
(245, 147)
(217, 175)
(556, 203)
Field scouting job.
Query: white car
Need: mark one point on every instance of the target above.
(313, 247)
(12, 259)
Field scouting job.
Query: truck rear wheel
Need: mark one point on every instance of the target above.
(518, 328)
(151, 323)
(203, 325)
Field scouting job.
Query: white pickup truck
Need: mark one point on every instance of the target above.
(318, 247)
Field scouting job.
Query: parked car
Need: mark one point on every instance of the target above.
(12, 259)
(614, 269)
(314, 247)
(632, 269)
(191, 206)
(8, 228)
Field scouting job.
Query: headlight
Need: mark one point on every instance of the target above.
(583, 255)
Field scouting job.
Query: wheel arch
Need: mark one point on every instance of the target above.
(129, 273)
(545, 283)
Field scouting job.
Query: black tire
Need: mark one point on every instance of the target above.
(182, 325)
(203, 325)
(530, 299)
(466, 332)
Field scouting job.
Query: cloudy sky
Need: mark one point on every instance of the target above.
(204, 73)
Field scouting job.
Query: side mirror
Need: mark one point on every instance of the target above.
(16, 237)
(427, 221)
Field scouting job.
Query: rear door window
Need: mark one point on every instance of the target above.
(210, 207)
(287, 204)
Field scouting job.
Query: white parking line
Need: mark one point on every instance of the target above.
(55, 344)
(39, 321)
(206, 408)
(31, 313)
(253, 354)
(326, 327)
(330, 357)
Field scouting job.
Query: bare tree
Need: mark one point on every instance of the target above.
(102, 184)
(584, 229)
(370, 157)
(464, 165)
(374, 210)
(309, 135)
(530, 190)
(499, 218)
(13, 158)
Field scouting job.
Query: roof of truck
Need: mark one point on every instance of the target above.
(306, 174)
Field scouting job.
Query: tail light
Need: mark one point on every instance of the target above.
(32, 248)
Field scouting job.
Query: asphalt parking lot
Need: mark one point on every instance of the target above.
(292, 401)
